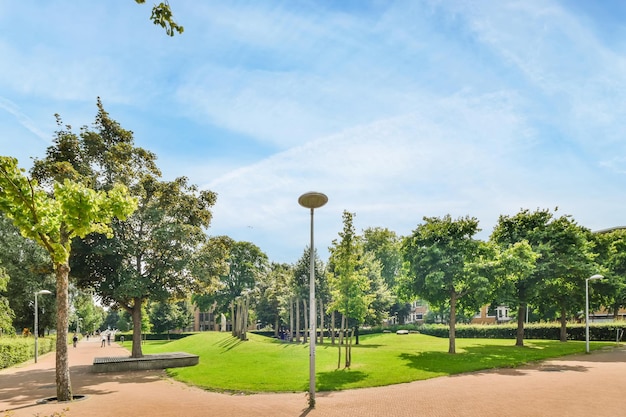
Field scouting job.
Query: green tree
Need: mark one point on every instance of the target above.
(386, 246)
(569, 260)
(349, 282)
(271, 288)
(91, 316)
(28, 264)
(300, 288)
(53, 219)
(246, 264)
(611, 250)
(446, 266)
(150, 255)
(514, 282)
(166, 316)
(6, 314)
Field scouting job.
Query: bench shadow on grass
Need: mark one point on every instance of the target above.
(481, 358)
(338, 379)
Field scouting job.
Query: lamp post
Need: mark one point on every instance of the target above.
(594, 277)
(312, 200)
(37, 321)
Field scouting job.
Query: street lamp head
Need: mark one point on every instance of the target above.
(597, 276)
(43, 292)
(312, 200)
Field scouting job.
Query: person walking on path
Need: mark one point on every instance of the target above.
(75, 340)
(109, 338)
(103, 339)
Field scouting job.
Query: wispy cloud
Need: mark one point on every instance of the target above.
(24, 120)
(395, 110)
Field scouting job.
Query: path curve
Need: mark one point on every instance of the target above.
(574, 386)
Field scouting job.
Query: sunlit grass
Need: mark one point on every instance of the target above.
(263, 364)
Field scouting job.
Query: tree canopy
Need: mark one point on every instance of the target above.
(445, 264)
(53, 219)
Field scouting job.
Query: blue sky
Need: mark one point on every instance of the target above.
(396, 110)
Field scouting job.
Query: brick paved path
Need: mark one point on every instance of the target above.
(583, 385)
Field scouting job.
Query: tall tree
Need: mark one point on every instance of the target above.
(271, 289)
(301, 284)
(570, 260)
(246, 265)
(445, 263)
(149, 256)
(53, 219)
(515, 266)
(386, 246)
(348, 281)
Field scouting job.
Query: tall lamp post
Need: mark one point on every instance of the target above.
(594, 277)
(312, 200)
(37, 321)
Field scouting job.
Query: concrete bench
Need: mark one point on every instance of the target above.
(157, 361)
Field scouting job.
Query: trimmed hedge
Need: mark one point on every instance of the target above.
(549, 331)
(14, 350)
(128, 336)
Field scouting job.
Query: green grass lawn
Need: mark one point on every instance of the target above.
(263, 364)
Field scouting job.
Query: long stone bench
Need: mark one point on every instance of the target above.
(156, 361)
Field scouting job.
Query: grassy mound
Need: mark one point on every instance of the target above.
(263, 364)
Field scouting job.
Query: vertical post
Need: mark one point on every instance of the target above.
(587, 315)
(36, 328)
(37, 321)
(587, 309)
(312, 200)
(312, 319)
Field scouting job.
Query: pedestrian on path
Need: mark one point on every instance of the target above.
(103, 339)
(75, 340)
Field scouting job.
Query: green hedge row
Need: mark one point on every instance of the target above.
(128, 336)
(548, 331)
(14, 350)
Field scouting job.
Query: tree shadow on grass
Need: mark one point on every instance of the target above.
(338, 379)
(501, 359)
(229, 343)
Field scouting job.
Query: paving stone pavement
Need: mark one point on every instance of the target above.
(591, 385)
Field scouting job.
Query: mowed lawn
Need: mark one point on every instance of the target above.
(263, 364)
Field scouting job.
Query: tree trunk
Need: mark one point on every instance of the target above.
(306, 320)
(64, 385)
(232, 318)
(276, 323)
(339, 343)
(563, 333)
(297, 320)
(452, 332)
(521, 313)
(136, 351)
(290, 319)
(321, 322)
(348, 344)
(332, 328)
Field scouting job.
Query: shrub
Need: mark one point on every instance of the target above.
(547, 331)
(14, 350)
